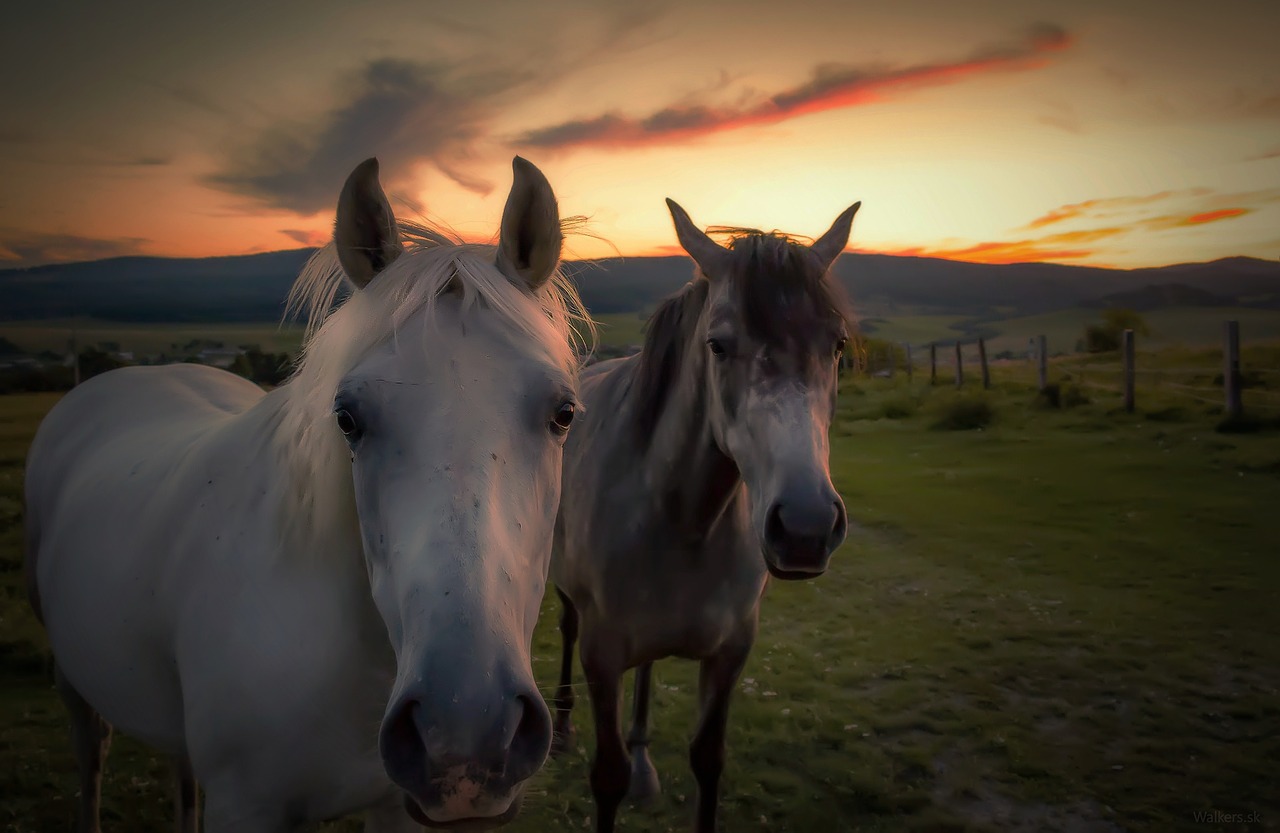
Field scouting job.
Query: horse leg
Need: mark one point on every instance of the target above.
(716, 680)
(562, 737)
(644, 778)
(610, 769)
(186, 796)
(91, 736)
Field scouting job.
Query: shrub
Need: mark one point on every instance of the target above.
(1073, 395)
(964, 414)
(899, 407)
(1171, 414)
(1100, 339)
(1059, 395)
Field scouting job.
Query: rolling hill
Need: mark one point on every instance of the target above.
(252, 288)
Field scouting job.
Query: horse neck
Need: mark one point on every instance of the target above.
(692, 479)
(311, 485)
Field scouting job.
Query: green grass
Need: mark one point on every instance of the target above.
(621, 329)
(1065, 621)
(917, 329)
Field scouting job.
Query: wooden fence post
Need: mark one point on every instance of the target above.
(959, 367)
(891, 356)
(982, 356)
(1127, 352)
(933, 364)
(907, 346)
(1231, 368)
(1042, 360)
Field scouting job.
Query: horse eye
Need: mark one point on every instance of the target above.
(840, 345)
(716, 347)
(346, 422)
(563, 418)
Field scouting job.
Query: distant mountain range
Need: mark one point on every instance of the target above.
(253, 287)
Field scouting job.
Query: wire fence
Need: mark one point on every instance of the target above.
(1220, 380)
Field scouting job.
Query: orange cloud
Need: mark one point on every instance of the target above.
(1215, 216)
(1184, 220)
(831, 87)
(1081, 209)
(1052, 247)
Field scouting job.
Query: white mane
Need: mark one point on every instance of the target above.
(308, 446)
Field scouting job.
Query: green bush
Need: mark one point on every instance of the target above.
(899, 407)
(964, 414)
(1062, 395)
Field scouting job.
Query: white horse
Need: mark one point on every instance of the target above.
(320, 600)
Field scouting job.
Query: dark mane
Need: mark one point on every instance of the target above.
(782, 289)
(783, 294)
(667, 336)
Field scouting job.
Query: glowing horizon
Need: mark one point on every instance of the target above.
(1071, 135)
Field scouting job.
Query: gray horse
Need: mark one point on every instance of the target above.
(697, 469)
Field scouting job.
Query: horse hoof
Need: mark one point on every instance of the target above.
(644, 789)
(561, 742)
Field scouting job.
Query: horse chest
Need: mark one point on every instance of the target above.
(683, 601)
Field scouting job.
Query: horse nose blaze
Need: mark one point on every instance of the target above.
(802, 536)
(429, 748)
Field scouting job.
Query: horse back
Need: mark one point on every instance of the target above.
(145, 410)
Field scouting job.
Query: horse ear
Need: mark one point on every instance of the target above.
(831, 244)
(365, 232)
(705, 252)
(530, 241)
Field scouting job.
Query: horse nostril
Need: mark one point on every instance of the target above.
(774, 530)
(401, 745)
(532, 739)
(841, 526)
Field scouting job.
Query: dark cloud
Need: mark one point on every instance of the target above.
(26, 248)
(830, 86)
(397, 110)
(306, 238)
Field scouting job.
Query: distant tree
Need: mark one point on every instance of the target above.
(94, 361)
(1105, 337)
(241, 367)
(8, 348)
(1119, 319)
(263, 368)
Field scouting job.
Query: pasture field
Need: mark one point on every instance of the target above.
(620, 328)
(34, 336)
(1169, 327)
(1056, 620)
(1172, 326)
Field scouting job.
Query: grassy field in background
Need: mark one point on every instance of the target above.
(1056, 620)
(1173, 326)
(34, 336)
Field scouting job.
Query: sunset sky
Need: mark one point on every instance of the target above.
(1123, 133)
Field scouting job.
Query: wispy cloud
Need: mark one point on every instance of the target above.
(1069, 245)
(829, 87)
(28, 248)
(306, 238)
(1198, 219)
(1077, 244)
(1110, 206)
(399, 110)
